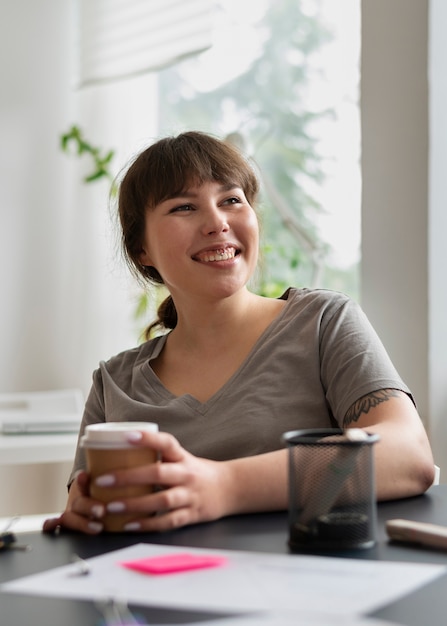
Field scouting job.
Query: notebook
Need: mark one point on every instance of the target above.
(41, 412)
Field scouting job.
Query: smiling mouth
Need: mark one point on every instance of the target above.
(221, 254)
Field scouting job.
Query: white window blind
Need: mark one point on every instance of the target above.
(120, 38)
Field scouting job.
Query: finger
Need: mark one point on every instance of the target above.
(86, 507)
(154, 474)
(157, 502)
(164, 522)
(72, 521)
(83, 481)
(165, 444)
(51, 525)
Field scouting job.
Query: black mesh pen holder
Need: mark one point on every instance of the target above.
(332, 503)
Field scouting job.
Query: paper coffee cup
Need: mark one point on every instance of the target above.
(107, 449)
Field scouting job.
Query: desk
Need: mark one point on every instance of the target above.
(258, 532)
(21, 449)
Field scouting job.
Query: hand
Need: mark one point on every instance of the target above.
(189, 489)
(82, 513)
(185, 491)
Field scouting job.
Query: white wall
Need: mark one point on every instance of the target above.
(404, 222)
(394, 113)
(66, 297)
(437, 232)
(66, 300)
(35, 104)
(31, 489)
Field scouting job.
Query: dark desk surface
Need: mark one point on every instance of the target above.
(259, 532)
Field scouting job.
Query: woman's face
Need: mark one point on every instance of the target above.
(204, 241)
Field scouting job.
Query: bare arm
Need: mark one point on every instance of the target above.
(403, 459)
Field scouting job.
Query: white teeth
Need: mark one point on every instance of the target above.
(217, 255)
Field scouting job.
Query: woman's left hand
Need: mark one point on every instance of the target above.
(188, 489)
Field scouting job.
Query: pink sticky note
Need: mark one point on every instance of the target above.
(171, 563)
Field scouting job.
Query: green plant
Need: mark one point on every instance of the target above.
(100, 163)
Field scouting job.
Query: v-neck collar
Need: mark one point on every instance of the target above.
(188, 399)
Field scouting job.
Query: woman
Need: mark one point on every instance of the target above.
(235, 370)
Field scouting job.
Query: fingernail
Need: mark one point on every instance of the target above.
(134, 435)
(97, 510)
(105, 481)
(132, 526)
(115, 507)
(96, 527)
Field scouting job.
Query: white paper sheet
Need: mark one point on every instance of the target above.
(309, 619)
(248, 582)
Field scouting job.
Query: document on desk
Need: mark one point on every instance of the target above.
(279, 618)
(243, 583)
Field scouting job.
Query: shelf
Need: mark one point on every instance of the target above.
(22, 449)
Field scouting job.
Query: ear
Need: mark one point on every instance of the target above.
(145, 258)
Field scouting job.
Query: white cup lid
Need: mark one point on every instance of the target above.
(113, 434)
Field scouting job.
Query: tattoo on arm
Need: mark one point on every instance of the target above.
(371, 400)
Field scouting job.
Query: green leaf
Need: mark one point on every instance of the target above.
(100, 163)
(95, 176)
(142, 305)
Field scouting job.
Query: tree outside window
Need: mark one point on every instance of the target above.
(281, 82)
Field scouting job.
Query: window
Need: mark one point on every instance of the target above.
(119, 38)
(282, 78)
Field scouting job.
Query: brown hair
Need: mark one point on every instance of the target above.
(162, 170)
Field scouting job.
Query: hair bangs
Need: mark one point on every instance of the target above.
(192, 159)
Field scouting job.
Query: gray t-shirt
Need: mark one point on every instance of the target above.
(318, 357)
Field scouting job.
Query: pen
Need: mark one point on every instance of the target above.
(423, 533)
(326, 493)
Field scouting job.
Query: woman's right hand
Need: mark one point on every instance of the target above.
(82, 513)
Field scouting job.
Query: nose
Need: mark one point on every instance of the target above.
(215, 222)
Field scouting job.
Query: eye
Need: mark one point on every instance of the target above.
(233, 200)
(182, 208)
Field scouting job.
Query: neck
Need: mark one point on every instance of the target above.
(215, 323)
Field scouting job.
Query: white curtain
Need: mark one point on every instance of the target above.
(121, 38)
